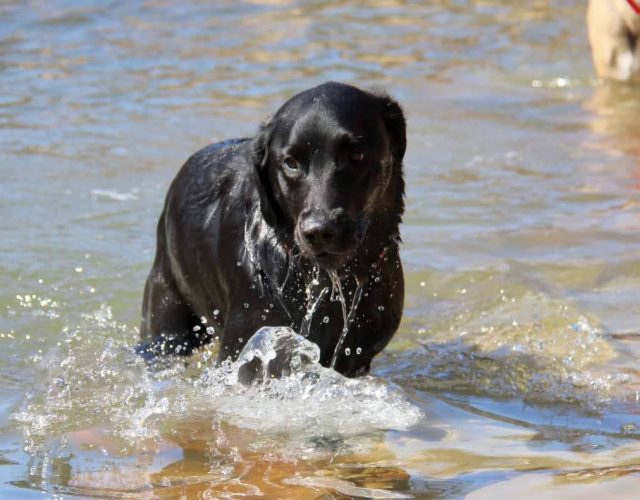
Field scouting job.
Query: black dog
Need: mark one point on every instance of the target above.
(297, 226)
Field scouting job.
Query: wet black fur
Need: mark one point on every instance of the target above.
(231, 255)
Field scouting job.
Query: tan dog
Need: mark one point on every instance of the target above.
(614, 34)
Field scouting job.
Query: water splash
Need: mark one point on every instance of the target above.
(337, 295)
(347, 318)
(313, 300)
(275, 352)
(276, 387)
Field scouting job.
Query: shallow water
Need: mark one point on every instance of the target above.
(515, 369)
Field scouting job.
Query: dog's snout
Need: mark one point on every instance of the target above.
(320, 232)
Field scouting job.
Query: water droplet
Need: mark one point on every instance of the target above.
(423, 284)
(380, 308)
(347, 351)
(211, 330)
(203, 320)
(358, 350)
(216, 312)
(240, 340)
(78, 269)
(196, 328)
(325, 320)
(246, 305)
(238, 263)
(377, 279)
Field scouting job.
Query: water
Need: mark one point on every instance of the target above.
(347, 317)
(515, 368)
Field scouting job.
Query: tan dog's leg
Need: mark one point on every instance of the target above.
(614, 29)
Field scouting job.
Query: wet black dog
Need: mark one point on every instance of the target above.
(273, 230)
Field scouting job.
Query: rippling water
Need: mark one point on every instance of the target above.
(515, 369)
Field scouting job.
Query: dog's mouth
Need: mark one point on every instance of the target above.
(330, 257)
(329, 260)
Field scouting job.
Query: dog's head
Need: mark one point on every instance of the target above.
(327, 163)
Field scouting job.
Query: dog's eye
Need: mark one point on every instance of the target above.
(356, 156)
(291, 163)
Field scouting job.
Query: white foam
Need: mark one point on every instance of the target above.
(306, 397)
(97, 380)
(110, 194)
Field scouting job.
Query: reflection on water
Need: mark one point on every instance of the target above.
(616, 108)
(516, 365)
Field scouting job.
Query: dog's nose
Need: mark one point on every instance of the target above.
(320, 233)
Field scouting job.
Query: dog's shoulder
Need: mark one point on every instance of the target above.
(214, 183)
(216, 168)
(227, 158)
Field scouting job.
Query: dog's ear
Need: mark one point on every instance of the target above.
(393, 118)
(260, 160)
(396, 126)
